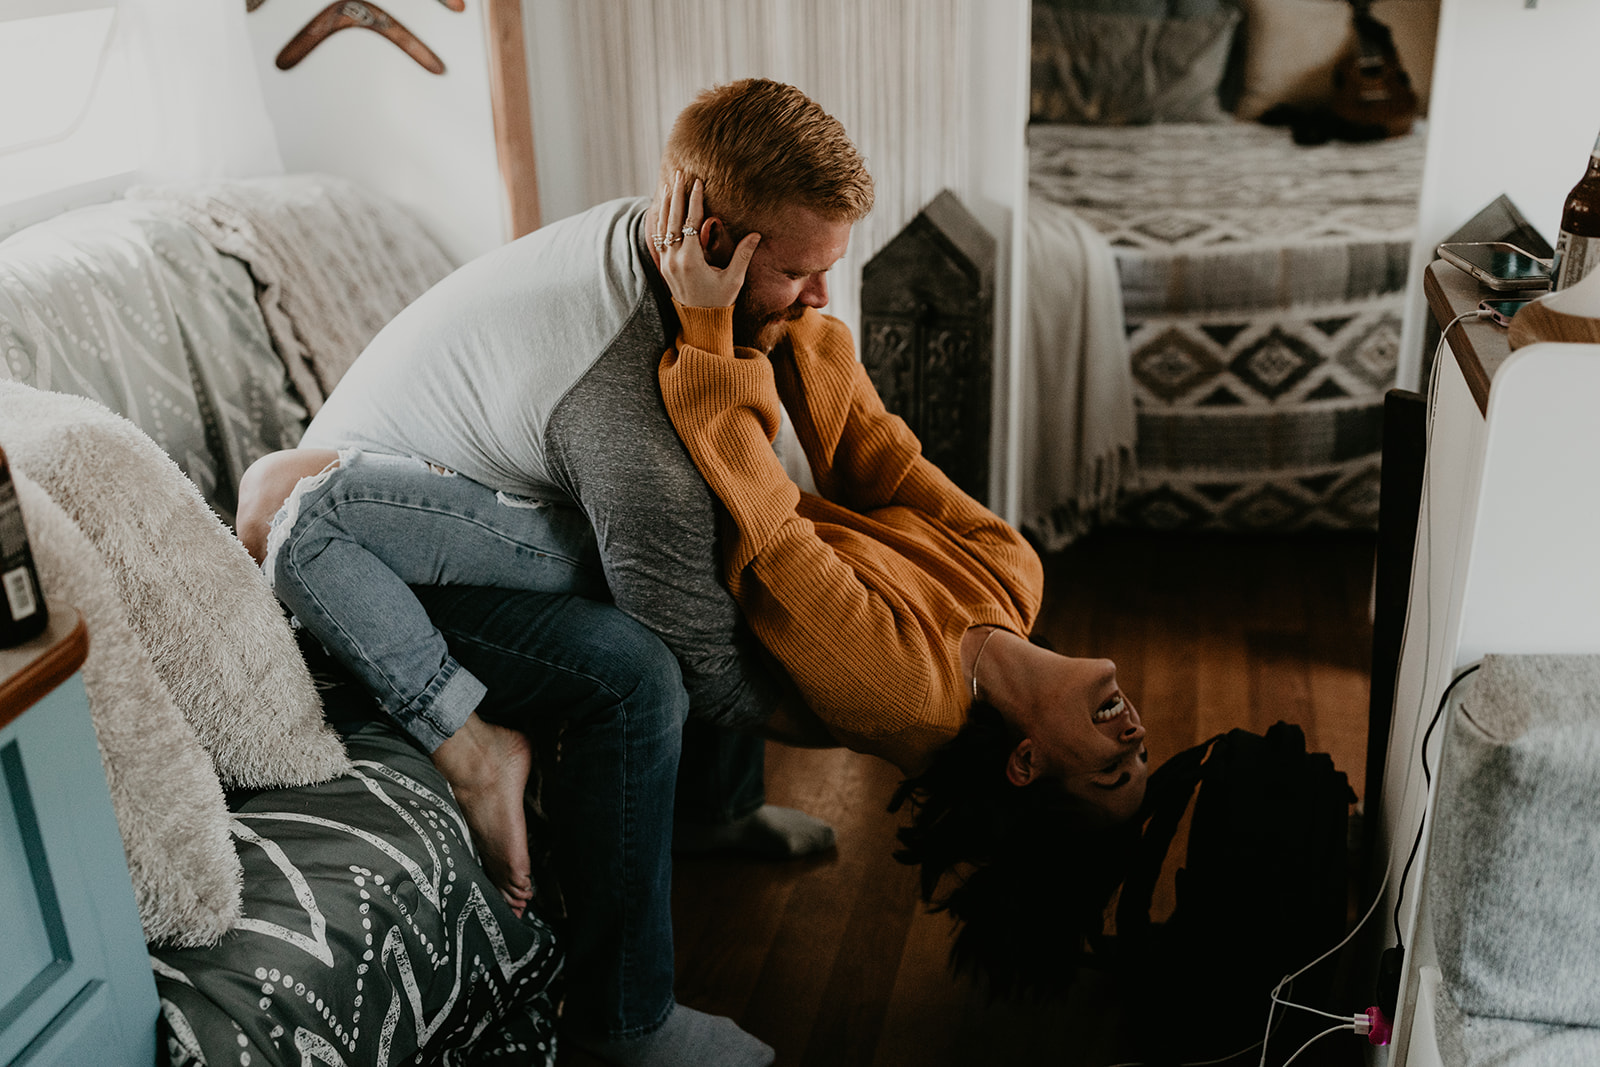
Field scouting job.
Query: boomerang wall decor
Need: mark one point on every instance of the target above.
(360, 14)
(346, 14)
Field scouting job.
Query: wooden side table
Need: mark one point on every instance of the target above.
(75, 985)
(1479, 346)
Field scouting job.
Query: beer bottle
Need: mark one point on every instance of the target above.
(22, 611)
(1578, 244)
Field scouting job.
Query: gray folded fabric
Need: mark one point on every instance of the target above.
(1514, 868)
(1479, 1041)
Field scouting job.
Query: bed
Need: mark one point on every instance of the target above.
(1258, 292)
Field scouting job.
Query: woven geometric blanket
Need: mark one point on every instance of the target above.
(1263, 284)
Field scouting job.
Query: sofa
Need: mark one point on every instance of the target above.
(1214, 308)
(305, 882)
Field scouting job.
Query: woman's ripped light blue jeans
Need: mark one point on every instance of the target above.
(350, 542)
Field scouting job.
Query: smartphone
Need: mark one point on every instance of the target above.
(1497, 264)
(1501, 308)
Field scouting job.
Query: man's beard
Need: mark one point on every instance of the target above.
(761, 332)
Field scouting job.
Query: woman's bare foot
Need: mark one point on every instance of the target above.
(488, 767)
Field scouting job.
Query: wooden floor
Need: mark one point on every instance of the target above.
(833, 962)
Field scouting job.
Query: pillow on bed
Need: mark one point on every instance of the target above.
(218, 638)
(1104, 69)
(370, 933)
(1292, 47)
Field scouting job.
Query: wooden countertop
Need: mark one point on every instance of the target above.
(32, 669)
(1480, 345)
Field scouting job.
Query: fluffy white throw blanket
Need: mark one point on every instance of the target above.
(167, 800)
(194, 679)
(333, 262)
(1078, 426)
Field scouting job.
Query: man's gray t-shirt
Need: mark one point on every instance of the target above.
(533, 370)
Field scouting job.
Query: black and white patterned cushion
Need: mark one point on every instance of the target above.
(370, 934)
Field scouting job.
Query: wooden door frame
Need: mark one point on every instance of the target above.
(513, 113)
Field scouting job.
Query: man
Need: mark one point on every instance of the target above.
(530, 374)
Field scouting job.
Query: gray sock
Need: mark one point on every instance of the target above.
(688, 1038)
(770, 832)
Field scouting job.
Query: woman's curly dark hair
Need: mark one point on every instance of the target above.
(1029, 869)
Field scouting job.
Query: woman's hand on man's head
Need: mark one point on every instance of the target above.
(680, 246)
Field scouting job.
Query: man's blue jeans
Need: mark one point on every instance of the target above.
(617, 690)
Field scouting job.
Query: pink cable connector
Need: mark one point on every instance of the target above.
(1374, 1026)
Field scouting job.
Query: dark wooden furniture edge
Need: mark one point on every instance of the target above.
(32, 669)
(1405, 453)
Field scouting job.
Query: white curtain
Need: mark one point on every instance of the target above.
(897, 73)
(201, 112)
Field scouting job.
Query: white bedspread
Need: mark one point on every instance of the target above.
(1078, 424)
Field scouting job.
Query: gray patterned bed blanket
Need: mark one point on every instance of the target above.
(1263, 285)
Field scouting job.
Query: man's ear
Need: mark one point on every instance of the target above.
(1022, 765)
(716, 241)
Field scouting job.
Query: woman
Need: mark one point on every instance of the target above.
(894, 600)
(897, 603)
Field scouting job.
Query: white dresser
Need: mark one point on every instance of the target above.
(1507, 561)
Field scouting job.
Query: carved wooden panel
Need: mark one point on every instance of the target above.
(928, 327)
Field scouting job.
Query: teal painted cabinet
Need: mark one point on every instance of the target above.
(75, 981)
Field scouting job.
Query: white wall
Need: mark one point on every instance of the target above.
(565, 185)
(1515, 109)
(358, 106)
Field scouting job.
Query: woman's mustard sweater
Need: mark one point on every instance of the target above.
(863, 592)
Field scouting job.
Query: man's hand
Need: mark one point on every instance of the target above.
(681, 245)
